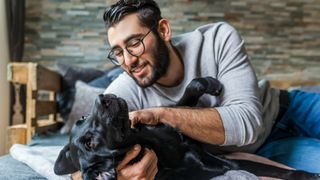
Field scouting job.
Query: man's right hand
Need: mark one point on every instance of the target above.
(145, 169)
(148, 116)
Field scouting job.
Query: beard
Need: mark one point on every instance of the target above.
(161, 63)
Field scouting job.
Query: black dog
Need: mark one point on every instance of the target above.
(99, 142)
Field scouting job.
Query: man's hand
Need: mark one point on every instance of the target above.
(76, 176)
(202, 124)
(145, 169)
(145, 116)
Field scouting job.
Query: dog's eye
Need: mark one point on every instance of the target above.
(89, 144)
(89, 141)
(79, 122)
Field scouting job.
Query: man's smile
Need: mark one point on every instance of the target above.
(139, 70)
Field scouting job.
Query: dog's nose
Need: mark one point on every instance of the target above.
(111, 96)
(106, 99)
(106, 96)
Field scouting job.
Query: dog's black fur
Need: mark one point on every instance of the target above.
(99, 142)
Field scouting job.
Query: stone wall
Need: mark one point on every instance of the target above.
(70, 31)
(282, 37)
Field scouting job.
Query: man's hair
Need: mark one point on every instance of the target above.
(148, 11)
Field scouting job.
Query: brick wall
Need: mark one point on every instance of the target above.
(70, 31)
(282, 37)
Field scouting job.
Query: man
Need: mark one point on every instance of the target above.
(158, 69)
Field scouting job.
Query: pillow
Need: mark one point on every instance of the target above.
(105, 80)
(70, 74)
(84, 99)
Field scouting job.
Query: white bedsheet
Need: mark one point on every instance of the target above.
(40, 158)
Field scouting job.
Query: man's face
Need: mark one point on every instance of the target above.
(147, 68)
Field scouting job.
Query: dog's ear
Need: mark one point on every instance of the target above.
(64, 163)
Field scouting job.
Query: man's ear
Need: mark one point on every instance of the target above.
(64, 164)
(164, 29)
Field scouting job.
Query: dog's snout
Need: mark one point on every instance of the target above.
(112, 96)
(107, 96)
(106, 99)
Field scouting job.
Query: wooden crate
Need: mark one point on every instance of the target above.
(36, 78)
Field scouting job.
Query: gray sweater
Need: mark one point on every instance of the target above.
(215, 50)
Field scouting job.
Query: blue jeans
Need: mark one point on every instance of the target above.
(295, 139)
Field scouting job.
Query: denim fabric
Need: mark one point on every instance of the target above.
(295, 139)
(298, 152)
(304, 110)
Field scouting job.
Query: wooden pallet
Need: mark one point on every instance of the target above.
(37, 79)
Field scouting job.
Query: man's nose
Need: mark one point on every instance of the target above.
(129, 59)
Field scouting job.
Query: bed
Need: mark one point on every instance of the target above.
(37, 134)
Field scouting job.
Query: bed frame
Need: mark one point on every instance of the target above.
(42, 86)
(42, 114)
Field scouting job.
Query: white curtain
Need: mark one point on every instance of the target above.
(4, 85)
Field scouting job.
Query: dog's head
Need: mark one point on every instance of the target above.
(95, 140)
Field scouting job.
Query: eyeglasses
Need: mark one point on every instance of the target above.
(135, 47)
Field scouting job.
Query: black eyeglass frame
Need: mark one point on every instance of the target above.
(116, 62)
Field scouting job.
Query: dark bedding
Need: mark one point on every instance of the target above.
(13, 169)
